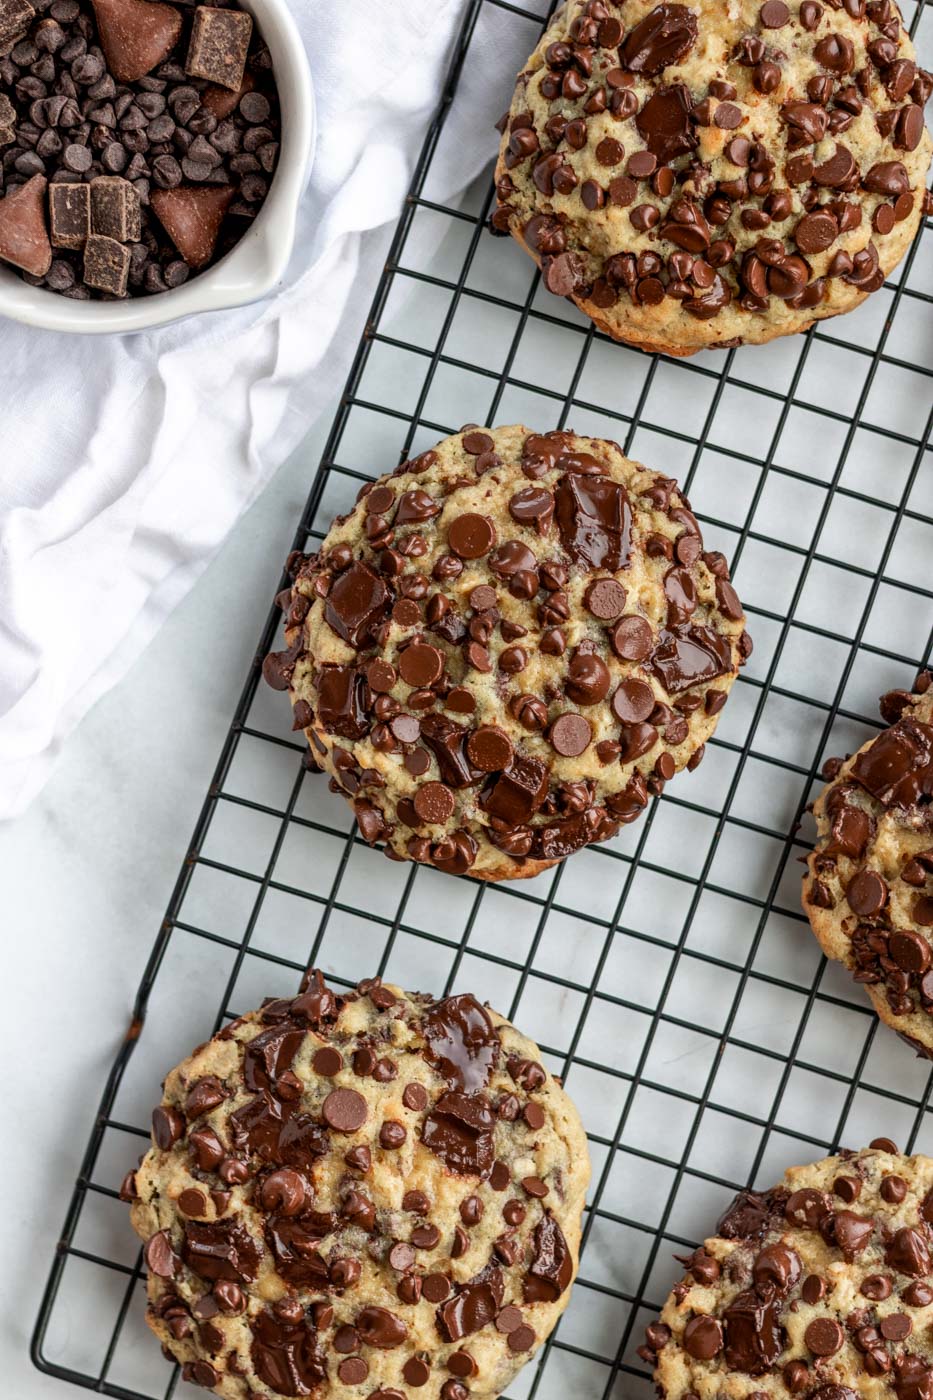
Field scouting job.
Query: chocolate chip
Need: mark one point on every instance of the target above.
(353, 1370)
(633, 701)
(703, 1338)
(824, 1336)
(415, 1097)
(434, 803)
(489, 749)
(471, 536)
(570, 735)
(605, 598)
(327, 1061)
(420, 664)
(867, 893)
(893, 1189)
(344, 1110)
(435, 1287)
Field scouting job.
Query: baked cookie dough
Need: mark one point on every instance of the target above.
(820, 1288)
(370, 1194)
(868, 890)
(701, 174)
(506, 647)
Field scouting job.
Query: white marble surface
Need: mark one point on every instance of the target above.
(86, 876)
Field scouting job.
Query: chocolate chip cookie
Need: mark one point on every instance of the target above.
(506, 647)
(868, 890)
(701, 174)
(821, 1287)
(360, 1194)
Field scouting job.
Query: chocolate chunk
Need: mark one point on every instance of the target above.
(519, 792)
(219, 45)
(269, 1055)
(24, 235)
(461, 1043)
(753, 1338)
(115, 208)
(224, 1249)
(749, 1216)
(664, 36)
(106, 265)
(690, 655)
(15, 18)
(594, 519)
(533, 505)
(286, 1355)
(897, 768)
(136, 35)
(448, 742)
(341, 701)
(459, 1131)
(551, 1269)
(69, 215)
(475, 1305)
(665, 125)
(192, 217)
(378, 1327)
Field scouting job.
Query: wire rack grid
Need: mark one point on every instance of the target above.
(668, 975)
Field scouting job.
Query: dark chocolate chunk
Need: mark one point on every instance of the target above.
(356, 603)
(594, 519)
(70, 215)
(461, 1042)
(106, 265)
(219, 45)
(459, 1131)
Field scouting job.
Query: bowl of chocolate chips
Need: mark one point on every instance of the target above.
(152, 156)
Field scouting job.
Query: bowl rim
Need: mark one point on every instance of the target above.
(253, 265)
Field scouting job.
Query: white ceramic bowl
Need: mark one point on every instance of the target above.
(254, 265)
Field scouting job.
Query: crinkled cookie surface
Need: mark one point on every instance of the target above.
(710, 174)
(868, 891)
(821, 1288)
(507, 646)
(370, 1194)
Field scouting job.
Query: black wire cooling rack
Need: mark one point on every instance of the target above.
(669, 976)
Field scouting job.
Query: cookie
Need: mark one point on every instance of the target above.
(821, 1288)
(506, 647)
(370, 1194)
(868, 890)
(696, 175)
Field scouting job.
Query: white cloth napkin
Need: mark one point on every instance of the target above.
(125, 461)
